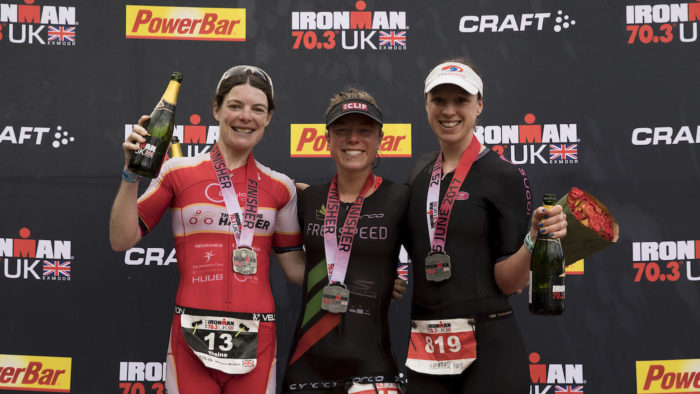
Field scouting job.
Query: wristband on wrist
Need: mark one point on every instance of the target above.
(528, 242)
(129, 176)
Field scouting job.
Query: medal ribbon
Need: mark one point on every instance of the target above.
(243, 233)
(438, 219)
(338, 253)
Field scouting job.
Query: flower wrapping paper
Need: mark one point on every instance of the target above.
(590, 227)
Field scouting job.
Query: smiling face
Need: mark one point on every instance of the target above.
(452, 113)
(353, 141)
(243, 116)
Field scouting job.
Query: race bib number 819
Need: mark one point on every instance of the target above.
(441, 347)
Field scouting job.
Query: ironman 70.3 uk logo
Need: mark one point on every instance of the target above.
(662, 23)
(360, 29)
(37, 24)
(29, 258)
(533, 143)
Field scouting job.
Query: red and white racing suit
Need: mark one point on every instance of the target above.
(204, 244)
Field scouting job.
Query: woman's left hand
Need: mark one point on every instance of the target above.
(399, 289)
(550, 221)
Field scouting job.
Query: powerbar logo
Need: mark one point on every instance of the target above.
(195, 139)
(560, 378)
(35, 373)
(665, 135)
(142, 377)
(662, 23)
(532, 143)
(515, 22)
(35, 24)
(32, 135)
(360, 29)
(309, 140)
(664, 261)
(43, 259)
(668, 376)
(185, 23)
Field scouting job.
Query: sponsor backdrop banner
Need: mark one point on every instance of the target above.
(600, 95)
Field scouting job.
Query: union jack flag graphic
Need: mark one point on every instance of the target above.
(392, 38)
(563, 152)
(402, 271)
(248, 363)
(568, 389)
(56, 269)
(61, 33)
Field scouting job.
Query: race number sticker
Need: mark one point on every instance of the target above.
(441, 347)
(223, 343)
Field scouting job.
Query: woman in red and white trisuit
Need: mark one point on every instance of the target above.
(228, 213)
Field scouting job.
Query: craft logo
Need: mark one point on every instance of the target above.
(532, 143)
(558, 21)
(142, 377)
(185, 23)
(668, 376)
(194, 138)
(662, 23)
(35, 373)
(666, 135)
(37, 24)
(360, 29)
(666, 261)
(555, 378)
(149, 256)
(30, 135)
(309, 140)
(42, 259)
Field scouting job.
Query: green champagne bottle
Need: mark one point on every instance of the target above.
(547, 275)
(147, 160)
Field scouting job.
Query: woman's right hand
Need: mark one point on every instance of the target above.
(136, 138)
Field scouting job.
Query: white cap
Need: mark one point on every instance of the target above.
(454, 73)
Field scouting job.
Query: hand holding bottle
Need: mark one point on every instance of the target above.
(548, 221)
(136, 138)
(146, 161)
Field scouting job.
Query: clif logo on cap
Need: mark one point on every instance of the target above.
(359, 106)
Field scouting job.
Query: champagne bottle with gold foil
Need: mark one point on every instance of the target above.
(547, 272)
(147, 160)
(175, 149)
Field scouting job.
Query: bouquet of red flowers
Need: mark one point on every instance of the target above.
(590, 226)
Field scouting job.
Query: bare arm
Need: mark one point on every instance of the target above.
(292, 264)
(124, 230)
(513, 273)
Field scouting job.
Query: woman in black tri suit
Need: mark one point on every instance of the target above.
(342, 340)
(469, 212)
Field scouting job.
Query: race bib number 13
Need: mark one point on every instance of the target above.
(227, 344)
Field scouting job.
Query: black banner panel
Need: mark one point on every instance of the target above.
(594, 94)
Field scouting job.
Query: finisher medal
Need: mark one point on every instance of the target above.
(335, 298)
(245, 261)
(438, 267)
